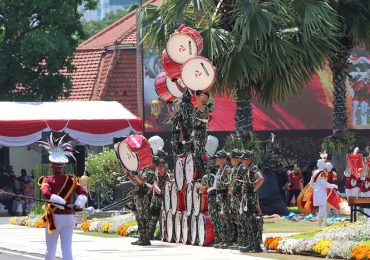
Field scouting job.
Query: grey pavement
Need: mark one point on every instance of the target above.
(32, 241)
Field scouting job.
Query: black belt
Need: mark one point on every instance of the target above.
(212, 193)
(221, 191)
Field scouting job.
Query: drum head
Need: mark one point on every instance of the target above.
(174, 89)
(178, 227)
(128, 158)
(189, 168)
(196, 199)
(201, 230)
(167, 196)
(179, 173)
(185, 229)
(198, 74)
(173, 199)
(181, 47)
(169, 226)
(194, 230)
(189, 200)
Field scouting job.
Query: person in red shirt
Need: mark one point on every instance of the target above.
(295, 183)
(58, 189)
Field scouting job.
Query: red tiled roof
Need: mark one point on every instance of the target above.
(87, 63)
(123, 31)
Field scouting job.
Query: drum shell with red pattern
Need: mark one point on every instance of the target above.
(184, 44)
(206, 238)
(185, 229)
(135, 152)
(161, 88)
(173, 69)
(178, 199)
(204, 201)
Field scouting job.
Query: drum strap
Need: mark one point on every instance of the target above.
(214, 177)
(317, 176)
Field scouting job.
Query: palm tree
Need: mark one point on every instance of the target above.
(354, 29)
(266, 48)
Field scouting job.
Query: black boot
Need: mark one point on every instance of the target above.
(139, 228)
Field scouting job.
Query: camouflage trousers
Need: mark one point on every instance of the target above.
(155, 214)
(237, 220)
(226, 216)
(213, 214)
(142, 203)
(200, 140)
(252, 227)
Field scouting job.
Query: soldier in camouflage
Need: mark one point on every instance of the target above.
(144, 181)
(250, 213)
(223, 198)
(161, 177)
(209, 184)
(236, 196)
(200, 122)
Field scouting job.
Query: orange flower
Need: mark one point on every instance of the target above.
(40, 223)
(274, 243)
(268, 241)
(85, 225)
(122, 230)
(361, 252)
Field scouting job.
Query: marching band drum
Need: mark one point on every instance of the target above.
(178, 199)
(172, 69)
(184, 44)
(189, 168)
(198, 73)
(170, 227)
(194, 229)
(206, 233)
(185, 229)
(164, 225)
(189, 199)
(178, 224)
(167, 195)
(167, 90)
(135, 153)
(180, 172)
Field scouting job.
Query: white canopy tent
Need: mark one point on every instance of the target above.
(89, 122)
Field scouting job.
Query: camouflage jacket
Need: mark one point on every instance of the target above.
(223, 178)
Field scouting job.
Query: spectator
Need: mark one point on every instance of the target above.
(307, 173)
(295, 184)
(29, 191)
(282, 179)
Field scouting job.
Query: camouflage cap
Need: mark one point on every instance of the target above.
(247, 155)
(222, 154)
(161, 154)
(236, 153)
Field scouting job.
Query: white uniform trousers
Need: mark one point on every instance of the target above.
(64, 228)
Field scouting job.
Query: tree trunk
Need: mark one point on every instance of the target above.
(339, 68)
(243, 114)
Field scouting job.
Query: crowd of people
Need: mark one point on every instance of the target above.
(22, 185)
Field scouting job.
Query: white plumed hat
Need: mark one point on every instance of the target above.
(156, 143)
(211, 145)
(58, 151)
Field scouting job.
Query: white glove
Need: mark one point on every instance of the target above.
(57, 199)
(334, 186)
(81, 201)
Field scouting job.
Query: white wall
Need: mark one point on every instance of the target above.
(21, 158)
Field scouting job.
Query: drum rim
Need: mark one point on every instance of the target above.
(165, 82)
(197, 209)
(188, 213)
(213, 67)
(193, 241)
(166, 192)
(168, 78)
(184, 220)
(137, 160)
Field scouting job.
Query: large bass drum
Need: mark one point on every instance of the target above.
(166, 89)
(206, 233)
(185, 238)
(178, 225)
(189, 168)
(135, 153)
(198, 74)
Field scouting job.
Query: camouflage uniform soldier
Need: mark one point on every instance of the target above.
(236, 192)
(223, 198)
(201, 117)
(142, 204)
(209, 184)
(182, 123)
(161, 177)
(251, 214)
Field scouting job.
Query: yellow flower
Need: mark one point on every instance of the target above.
(13, 221)
(105, 227)
(322, 247)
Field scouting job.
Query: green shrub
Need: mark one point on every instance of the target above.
(105, 172)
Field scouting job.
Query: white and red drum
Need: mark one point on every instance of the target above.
(167, 195)
(185, 229)
(170, 227)
(178, 225)
(198, 74)
(189, 168)
(172, 69)
(197, 203)
(180, 172)
(206, 233)
(135, 153)
(166, 89)
(193, 229)
(184, 44)
(164, 225)
(178, 199)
